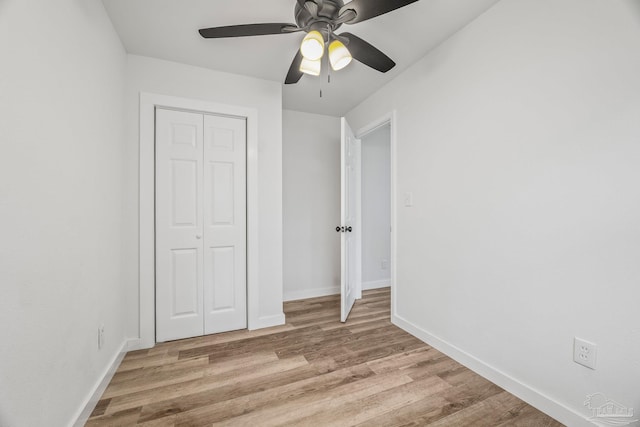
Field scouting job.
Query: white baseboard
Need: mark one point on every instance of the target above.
(376, 284)
(528, 394)
(269, 321)
(92, 400)
(310, 293)
(134, 344)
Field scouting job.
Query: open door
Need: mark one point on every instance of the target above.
(349, 228)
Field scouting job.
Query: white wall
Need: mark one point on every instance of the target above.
(61, 129)
(519, 138)
(311, 204)
(174, 79)
(376, 211)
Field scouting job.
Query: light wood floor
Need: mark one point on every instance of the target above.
(313, 371)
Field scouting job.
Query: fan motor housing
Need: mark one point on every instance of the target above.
(328, 11)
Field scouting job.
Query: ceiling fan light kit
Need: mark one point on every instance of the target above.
(311, 67)
(339, 55)
(320, 19)
(312, 49)
(312, 46)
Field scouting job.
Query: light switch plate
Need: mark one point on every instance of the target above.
(408, 199)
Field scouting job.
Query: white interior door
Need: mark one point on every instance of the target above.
(179, 244)
(200, 224)
(225, 210)
(350, 221)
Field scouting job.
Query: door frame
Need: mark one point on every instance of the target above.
(390, 119)
(146, 260)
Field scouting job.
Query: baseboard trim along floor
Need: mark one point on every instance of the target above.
(510, 384)
(313, 370)
(93, 399)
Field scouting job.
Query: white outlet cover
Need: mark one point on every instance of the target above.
(584, 353)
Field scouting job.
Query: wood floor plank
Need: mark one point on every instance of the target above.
(127, 417)
(350, 412)
(530, 417)
(152, 382)
(407, 415)
(216, 401)
(437, 407)
(486, 413)
(169, 421)
(175, 347)
(351, 358)
(414, 359)
(327, 346)
(357, 320)
(364, 326)
(146, 397)
(289, 413)
(251, 344)
(314, 371)
(101, 407)
(278, 394)
(138, 373)
(146, 362)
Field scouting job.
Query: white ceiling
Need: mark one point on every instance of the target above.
(168, 29)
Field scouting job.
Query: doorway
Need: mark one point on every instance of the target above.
(147, 273)
(376, 208)
(381, 275)
(377, 178)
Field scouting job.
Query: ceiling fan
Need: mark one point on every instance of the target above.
(320, 19)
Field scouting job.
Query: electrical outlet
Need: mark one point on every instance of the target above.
(100, 336)
(584, 353)
(384, 264)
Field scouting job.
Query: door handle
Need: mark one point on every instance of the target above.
(349, 229)
(340, 229)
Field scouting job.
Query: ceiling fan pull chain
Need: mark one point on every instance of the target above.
(327, 55)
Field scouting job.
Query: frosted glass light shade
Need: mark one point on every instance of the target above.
(339, 55)
(308, 66)
(312, 46)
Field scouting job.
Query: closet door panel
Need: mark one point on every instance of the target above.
(225, 283)
(179, 225)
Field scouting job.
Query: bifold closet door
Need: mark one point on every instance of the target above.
(179, 240)
(200, 224)
(225, 219)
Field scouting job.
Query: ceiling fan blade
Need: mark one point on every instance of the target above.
(294, 74)
(248, 30)
(368, 54)
(367, 9)
(310, 6)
